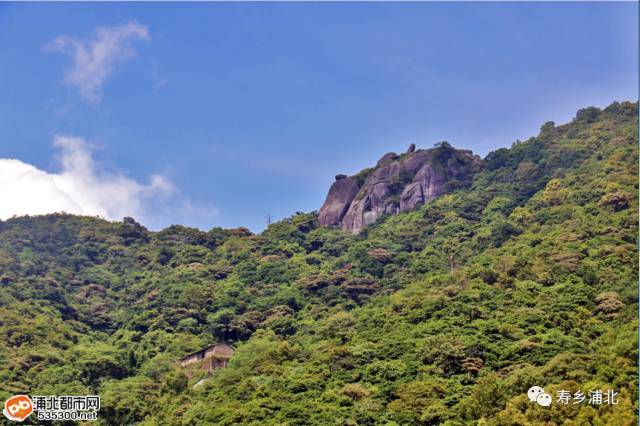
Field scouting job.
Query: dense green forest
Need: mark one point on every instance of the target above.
(443, 315)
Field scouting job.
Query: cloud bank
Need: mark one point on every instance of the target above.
(82, 188)
(95, 59)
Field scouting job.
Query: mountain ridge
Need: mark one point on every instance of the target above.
(443, 314)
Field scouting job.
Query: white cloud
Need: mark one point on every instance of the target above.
(82, 187)
(95, 59)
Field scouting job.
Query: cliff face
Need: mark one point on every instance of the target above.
(397, 183)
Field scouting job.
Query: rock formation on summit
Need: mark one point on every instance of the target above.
(396, 184)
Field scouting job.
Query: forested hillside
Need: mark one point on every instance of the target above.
(442, 315)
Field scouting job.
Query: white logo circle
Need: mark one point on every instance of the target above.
(544, 399)
(534, 392)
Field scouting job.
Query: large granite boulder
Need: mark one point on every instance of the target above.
(398, 183)
(341, 193)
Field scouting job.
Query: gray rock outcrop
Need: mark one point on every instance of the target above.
(398, 183)
(341, 193)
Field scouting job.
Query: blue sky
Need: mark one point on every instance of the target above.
(217, 114)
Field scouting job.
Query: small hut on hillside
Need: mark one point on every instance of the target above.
(210, 358)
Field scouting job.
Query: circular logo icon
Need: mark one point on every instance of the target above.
(544, 399)
(534, 392)
(18, 408)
